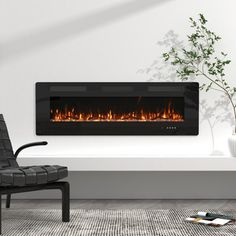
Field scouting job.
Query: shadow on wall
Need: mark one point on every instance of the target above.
(160, 70)
(36, 39)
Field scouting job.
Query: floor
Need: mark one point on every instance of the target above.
(126, 204)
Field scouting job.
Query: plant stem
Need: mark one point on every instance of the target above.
(226, 92)
(223, 89)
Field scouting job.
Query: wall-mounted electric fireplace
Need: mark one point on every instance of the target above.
(117, 108)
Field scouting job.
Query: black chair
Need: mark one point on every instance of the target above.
(17, 179)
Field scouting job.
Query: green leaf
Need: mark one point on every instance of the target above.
(166, 56)
(227, 62)
(202, 19)
(224, 54)
(209, 86)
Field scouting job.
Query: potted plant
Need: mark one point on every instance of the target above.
(199, 59)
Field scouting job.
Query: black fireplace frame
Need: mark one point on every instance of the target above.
(188, 90)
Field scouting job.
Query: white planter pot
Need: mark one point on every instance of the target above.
(232, 144)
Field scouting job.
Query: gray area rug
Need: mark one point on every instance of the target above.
(110, 223)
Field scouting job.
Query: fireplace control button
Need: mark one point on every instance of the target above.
(171, 127)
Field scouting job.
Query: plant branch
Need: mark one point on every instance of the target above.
(200, 53)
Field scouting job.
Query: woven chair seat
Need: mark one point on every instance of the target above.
(32, 175)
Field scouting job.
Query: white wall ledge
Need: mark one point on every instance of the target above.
(136, 164)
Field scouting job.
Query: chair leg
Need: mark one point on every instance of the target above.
(8, 201)
(0, 213)
(65, 188)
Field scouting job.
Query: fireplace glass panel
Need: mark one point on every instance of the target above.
(117, 109)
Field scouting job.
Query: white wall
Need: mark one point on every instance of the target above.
(76, 40)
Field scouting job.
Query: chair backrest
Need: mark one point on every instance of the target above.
(7, 158)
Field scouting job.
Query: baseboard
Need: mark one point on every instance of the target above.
(145, 185)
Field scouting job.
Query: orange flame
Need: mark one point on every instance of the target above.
(70, 115)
